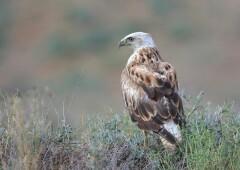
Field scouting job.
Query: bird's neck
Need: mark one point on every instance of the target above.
(145, 50)
(137, 48)
(147, 43)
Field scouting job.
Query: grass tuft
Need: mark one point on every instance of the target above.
(28, 139)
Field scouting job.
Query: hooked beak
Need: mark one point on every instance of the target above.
(121, 43)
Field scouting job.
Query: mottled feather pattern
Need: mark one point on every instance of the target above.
(149, 106)
(150, 92)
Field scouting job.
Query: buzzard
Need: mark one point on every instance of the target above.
(150, 91)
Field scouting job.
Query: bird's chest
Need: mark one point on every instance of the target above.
(131, 88)
(132, 92)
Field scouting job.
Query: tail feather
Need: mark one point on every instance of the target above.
(170, 135)
(167, 136)
(174, 130)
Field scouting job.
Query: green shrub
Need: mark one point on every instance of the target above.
(28, 140)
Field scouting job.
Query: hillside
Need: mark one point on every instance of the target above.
(62, 44)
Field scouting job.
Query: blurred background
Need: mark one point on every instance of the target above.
(69, 48)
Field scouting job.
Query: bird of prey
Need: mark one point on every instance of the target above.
(150, 91)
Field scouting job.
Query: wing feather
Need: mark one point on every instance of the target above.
(149, 80)
(150, 87)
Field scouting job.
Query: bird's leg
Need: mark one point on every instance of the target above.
(145, 140)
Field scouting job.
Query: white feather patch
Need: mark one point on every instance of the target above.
(173, 129)
(132, 58)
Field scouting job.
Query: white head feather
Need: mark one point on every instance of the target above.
(137, 40)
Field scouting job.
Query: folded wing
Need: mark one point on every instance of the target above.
(151, 95)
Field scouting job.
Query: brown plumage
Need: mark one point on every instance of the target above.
(150, 90)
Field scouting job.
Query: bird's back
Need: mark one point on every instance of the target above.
(151, 107)
(150, 90)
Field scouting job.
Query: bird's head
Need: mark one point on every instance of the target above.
(137, 40)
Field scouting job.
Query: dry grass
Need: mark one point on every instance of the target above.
(30, 141)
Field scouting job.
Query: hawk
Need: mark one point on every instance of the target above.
(150, 91)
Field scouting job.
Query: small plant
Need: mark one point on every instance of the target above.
(28, 140)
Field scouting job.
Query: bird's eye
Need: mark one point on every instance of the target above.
(130, 38)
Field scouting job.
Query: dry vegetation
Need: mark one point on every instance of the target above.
(51, 42)
(30, 141)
